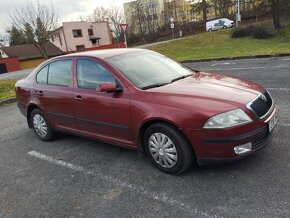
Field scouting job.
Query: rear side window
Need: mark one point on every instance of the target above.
(41, 76)
(90, 74)
(59, 73)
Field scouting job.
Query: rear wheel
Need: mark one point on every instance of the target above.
(40, 125)
(168, 149)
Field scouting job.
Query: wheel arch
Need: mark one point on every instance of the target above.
(148, 123)
(30, 108)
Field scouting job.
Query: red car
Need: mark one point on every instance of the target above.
(143, 100)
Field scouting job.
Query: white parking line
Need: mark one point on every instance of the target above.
(245, 68)
(226, 63)
(279, 89)
(284, 124)
(162, 197)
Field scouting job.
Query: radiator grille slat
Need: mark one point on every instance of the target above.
(262, 105)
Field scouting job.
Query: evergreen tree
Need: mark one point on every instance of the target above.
(16, 36)
(36, 21)
(29, 34)
(40, 31)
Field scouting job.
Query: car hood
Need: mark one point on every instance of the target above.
(209, 93)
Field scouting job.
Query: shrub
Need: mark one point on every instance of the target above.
(255, 32)
(240, 33)
(261, 33)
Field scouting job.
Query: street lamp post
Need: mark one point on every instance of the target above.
(238, 14)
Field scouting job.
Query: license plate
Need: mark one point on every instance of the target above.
(273, 122)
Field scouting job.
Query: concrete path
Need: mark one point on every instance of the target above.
(20, 74)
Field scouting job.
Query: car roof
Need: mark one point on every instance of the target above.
(105, 53)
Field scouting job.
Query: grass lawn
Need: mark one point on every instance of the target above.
(219, 44)
(7, 89)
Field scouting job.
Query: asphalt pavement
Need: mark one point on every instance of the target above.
(77, 177)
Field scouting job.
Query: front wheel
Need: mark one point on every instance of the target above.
(40, 126)
(168, 149)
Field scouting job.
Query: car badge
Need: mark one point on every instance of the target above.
(263, 97)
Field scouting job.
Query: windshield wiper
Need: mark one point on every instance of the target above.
(181, 77)
(154, 85)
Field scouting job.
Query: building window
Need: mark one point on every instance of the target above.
(90, 32)
(60, 41)
(52, 38)
(80, 47)
(77, 33)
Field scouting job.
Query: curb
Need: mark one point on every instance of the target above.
(238, 58)
(7, 101)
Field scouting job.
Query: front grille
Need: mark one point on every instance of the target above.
(261, 105)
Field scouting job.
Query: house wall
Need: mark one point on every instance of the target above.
(64, 39)
(147, 8)
(58, 39)
(12, 64)
(26, 64)
(111, 46)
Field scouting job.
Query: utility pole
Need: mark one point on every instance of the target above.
(238, 14)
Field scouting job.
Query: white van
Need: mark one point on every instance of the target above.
(217, 24)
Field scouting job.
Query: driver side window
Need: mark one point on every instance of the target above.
(90, 74)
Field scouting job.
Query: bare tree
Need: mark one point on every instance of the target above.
(204, 6)
(201, 7)
(278, 9)
(138, 12)
(101, 14)
(276, 13)
(36, 19)
(112, 14)
(258, 7)
(223, 6)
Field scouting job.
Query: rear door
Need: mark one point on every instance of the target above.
(102, 115)
(53, 91)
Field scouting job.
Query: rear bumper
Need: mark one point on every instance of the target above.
(22, 108)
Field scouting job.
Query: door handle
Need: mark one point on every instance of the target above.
(78, 98)
(39, 92)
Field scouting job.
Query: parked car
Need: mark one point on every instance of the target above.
(217, 24)
(143, 100)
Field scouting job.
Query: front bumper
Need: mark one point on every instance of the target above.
(257, 145)
(218, 146)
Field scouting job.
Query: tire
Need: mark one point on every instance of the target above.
(225, 27)
(167, 148)
(40, 125)
(210, 30)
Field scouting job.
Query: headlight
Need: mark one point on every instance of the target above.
(227, 119)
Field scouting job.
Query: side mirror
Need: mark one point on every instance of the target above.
(108, 87)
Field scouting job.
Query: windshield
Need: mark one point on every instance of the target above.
(149, 69)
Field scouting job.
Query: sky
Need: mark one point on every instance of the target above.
(69, 10)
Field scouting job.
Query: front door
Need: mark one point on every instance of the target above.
(101, 115)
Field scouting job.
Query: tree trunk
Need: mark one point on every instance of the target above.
(275, 9)
(204, 11)
(140, 22)
(41, 49)
(175, 10)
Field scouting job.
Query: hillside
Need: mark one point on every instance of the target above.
(219, 44)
